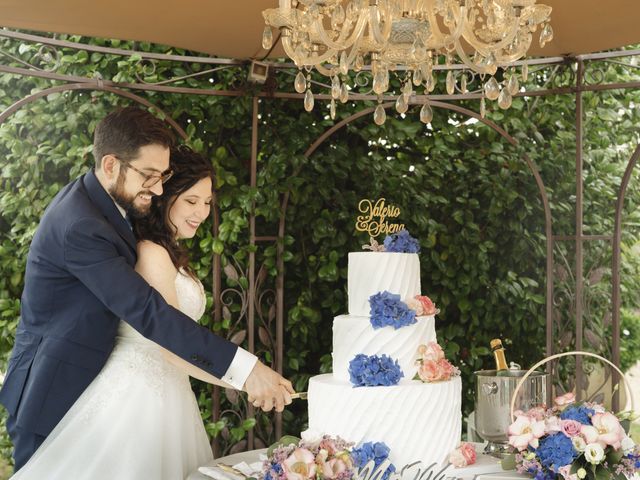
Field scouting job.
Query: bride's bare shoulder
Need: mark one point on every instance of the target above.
(153, 257)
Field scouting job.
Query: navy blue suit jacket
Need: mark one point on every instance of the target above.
(79, 282)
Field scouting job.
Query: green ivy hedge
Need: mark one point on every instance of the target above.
(463, 191)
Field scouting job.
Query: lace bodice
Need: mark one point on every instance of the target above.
(136, 356)
(191, 302)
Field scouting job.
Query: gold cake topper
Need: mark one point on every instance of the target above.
(374, 217)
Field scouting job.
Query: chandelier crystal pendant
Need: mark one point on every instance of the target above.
(336, 37)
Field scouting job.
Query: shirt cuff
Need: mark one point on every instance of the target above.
(240, 368)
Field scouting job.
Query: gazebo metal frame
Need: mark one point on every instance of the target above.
(272, 327)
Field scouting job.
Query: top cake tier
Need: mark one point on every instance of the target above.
(374, 272)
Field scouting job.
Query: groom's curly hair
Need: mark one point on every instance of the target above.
(125, 131)
(189, 168)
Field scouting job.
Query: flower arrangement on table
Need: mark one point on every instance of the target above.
(328, 458)
(432, 364)
(574, 441)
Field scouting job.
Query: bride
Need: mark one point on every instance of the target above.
(139, 418)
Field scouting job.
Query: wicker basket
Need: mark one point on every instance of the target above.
(630, 398)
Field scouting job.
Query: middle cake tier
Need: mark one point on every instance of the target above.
(354, 334)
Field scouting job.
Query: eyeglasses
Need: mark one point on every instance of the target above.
(149, 180)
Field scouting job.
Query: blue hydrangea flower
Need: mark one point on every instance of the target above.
(542, 475)
(579, 413)
(401, 242)
(556, 451)
(378, 452)
(386, 309)
(374, 370)
(633, 458)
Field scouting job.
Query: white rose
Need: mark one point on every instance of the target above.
(578, 443)
(312, 436)
(594, 453)
(628, 445)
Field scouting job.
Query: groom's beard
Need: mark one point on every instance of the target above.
(127, 201)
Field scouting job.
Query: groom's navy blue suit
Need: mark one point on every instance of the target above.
(79, 282)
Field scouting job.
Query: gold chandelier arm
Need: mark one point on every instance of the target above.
(305, 60)
(324, 71)
(442, 39)
(507, 59)
(340, 43)
(380, 36)
(286, 44)
(486, 48)
(462, 23)
(467, 61)
(353, 52)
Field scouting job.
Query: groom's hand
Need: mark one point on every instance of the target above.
(267, 388)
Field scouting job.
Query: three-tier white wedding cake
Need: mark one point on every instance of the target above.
(418, 421)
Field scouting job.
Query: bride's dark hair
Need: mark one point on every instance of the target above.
(189, 168)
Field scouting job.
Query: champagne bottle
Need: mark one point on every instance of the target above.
(502, 370)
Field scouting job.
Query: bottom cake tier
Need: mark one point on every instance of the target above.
(418, 421)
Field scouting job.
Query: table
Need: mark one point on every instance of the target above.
(249, 457)
(485, 468)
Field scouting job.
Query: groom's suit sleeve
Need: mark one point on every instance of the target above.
(91, 255)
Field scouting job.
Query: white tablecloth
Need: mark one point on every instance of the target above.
(485, 468)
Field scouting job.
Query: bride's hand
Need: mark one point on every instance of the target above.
(267, 388)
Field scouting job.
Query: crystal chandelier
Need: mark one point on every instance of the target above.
(410, 36)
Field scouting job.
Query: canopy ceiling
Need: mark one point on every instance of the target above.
(233, 29)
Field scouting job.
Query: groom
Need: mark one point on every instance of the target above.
(80, 281)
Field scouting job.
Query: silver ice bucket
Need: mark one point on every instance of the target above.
(493, 403)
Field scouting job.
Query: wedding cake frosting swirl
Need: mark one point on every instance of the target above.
(373, 272)
(353, 335)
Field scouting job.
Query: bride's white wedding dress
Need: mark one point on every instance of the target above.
(138, 419)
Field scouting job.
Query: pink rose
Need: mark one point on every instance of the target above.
(564, 400)
(570, 428)
(416, 305)
(446, 369)
(469, 452)
(537, 412)
(329, 445)
(431, 351)
(332, 468)
(428, 307)
(456, 458)
(462, 456)
(300, 465)
(552, 424)
(429, 371)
